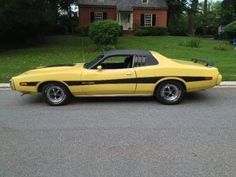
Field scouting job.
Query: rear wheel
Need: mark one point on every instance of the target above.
(56, 94)
(170, 92)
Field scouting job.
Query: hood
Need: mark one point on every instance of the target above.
(54, 68)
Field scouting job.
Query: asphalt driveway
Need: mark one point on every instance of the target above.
(119, 137)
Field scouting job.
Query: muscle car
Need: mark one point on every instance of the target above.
(120, 73)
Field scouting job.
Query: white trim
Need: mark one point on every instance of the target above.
(145, 23)
(98, 14)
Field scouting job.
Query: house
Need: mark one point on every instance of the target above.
(131, 14)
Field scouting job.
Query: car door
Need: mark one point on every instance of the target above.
(111, 76)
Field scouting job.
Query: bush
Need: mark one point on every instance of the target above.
(104, 32)
(220, 46)
(230, 30)
(194, 43)
(151, 31)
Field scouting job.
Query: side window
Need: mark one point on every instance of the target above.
(117, 62)
(140, 61)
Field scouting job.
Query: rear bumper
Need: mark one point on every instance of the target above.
(219, 79)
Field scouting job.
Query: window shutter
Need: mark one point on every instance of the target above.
(91, 17)
(104, 15)
(153, 19)
(142, 19)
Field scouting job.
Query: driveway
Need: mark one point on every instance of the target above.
(119, 137)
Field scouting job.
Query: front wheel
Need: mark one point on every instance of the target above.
(56, 94)
(170, 92)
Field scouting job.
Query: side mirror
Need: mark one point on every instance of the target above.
(99, 68)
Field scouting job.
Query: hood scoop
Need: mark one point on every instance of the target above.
(59, 65)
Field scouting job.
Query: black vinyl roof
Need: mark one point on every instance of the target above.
(127, 52)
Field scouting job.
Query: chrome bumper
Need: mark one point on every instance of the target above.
(12, 85)
(219, 79)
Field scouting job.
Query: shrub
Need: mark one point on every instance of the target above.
(220, 46)
(151, 31)
(230, 30)
(104, 32)
(194, 43)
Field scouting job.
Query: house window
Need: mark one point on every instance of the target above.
(148, 20)
(145, 1)
(98, 16)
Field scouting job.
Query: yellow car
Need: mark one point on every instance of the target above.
(120, 73)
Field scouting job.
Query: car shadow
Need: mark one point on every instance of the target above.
(194, 97)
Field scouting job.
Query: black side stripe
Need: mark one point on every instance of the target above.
(147, 80)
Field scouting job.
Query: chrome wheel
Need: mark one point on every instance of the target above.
(55, 94)
(170, 92)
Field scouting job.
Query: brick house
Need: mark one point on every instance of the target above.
(131, 14)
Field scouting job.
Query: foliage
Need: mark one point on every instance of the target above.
(208, 20)
(22, 19)
(179, 27)
(151, 31)
(104, 32)
(220, 46)
(230, 30)
(26, 19)
(193, 43)
(177, 23)
(228, 11)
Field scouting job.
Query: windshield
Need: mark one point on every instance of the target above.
(93, 62)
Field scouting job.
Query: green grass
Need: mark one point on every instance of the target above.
(74, 49)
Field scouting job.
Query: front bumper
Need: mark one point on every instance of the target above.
(12, 84)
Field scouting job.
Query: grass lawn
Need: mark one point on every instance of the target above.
(74, 49)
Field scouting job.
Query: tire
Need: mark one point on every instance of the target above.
(56, 94)
(170, 92)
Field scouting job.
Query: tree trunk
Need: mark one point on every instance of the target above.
(192, 17)
(205, 7)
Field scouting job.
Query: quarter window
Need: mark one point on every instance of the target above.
(148, 20)
(141, 61)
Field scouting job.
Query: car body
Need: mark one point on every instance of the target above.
(120, 72)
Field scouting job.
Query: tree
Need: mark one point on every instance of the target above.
(176, 24)
(207, 22)
(23, 19)
(228, 11)
(65, 5)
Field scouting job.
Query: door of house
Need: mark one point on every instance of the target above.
(126, 20)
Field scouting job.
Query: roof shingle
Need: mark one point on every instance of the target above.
(126, 5)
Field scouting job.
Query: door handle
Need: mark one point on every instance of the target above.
(128, 74)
